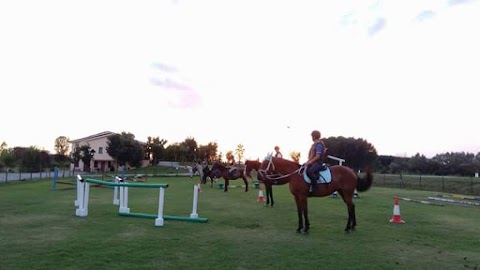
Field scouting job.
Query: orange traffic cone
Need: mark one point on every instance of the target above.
(396, 213)
(260, 195)
(199, 188)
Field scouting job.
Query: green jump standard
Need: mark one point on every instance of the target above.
(142, 215)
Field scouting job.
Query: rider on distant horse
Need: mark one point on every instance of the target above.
(316, 158)
(231, 162)
(278, 154)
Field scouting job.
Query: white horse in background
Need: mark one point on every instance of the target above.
(203, 172)
(197, 169)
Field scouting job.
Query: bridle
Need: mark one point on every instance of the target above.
(278, 176)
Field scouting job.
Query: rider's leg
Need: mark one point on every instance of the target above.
(312, 172)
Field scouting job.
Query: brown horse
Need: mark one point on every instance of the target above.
(255, 165)
(219, 170)
(343, 179)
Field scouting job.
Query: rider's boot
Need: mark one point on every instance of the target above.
(314, 185)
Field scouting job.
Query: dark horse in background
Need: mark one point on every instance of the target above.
(219, 170)
(255, 165)
(343, 179)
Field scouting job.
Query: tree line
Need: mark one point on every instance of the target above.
(125, 149)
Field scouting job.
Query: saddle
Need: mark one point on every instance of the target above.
(325, 176)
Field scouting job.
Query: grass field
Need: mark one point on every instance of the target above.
(38, 230)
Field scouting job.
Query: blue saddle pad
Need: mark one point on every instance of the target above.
(325, 177)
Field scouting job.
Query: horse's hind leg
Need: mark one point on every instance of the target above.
(347, 198)
(225, 188)
(246, 183)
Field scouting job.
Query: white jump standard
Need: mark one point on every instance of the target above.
(83, 189)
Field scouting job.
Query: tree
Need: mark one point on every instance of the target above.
(3, 147)
(76, 157)
(62, 145)
(189, 149)
(33, 159)
(295, 155)
(155, 149)
(418, 164)
(357, 152)
(125, 149)
(208, 152)
(8, 158)
(86, 153)
(239, 151)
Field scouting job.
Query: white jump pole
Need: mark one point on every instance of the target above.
(195, 199)
(124, 200)
(80, 189)
(161, 198)
(82, 210)
(116, 201)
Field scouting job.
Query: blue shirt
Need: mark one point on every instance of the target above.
(319, 149)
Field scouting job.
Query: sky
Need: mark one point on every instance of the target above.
(401, 75)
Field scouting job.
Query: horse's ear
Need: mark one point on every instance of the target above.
(258, 159)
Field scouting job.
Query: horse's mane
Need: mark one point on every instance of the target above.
(285, 162)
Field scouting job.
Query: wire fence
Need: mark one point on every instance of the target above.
(450, 184)
(22, 176)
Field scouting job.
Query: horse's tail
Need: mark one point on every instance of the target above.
(363, 184)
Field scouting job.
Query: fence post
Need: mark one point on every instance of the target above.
(55, 176)
(6, 176)
(443, 183)
(420, 183)
(471, 184)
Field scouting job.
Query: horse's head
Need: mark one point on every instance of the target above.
(251, 165)
(278, 170)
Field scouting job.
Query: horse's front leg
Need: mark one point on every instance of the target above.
(305, 215)
(225, 188)
(270, 194)
(267, 193)
(300, 214)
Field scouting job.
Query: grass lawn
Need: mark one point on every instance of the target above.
(39, 230)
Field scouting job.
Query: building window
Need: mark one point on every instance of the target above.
(100, 150)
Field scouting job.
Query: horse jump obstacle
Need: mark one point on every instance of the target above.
(83, 196)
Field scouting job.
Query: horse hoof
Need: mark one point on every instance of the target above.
(346, 232)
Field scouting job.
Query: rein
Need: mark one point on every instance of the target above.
(281, 176)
